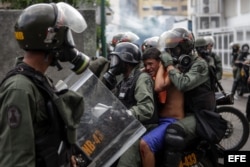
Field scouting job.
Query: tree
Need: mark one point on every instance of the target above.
(21, 4)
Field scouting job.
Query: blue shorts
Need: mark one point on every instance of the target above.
(155, 137)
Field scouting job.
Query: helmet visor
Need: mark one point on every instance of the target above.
(114, 60)
(168, 40)
(129, 37)
(70, 17)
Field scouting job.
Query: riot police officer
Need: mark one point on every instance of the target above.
(239, 62)
(201, 49)
(38, 122)
(177, 45)
(234, 54)
(135, 91)
(217, 59)
(100, 65)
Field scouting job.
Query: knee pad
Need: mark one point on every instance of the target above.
(175, 138)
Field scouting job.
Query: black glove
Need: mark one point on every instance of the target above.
(166, 59)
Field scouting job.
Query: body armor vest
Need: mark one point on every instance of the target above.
(126, 94)
(200, 98)
(126, 90)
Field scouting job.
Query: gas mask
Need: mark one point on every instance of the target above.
(185, 61)
(116, 68)
(203, 52)
(72, 20)
(68, 53)
(182, 60)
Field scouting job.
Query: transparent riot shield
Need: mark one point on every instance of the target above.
(103, 136)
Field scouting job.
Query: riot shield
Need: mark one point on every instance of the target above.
(103, 136)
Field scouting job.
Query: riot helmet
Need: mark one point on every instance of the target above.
(179, 43)
(149, 43)
(124, 37)
(235, 47)
(210, 40)
(116, 39)
(201, 47)
(124, 53)
(47, 27)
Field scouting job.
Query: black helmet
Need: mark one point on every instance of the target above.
(127, 52)
(124, 53)
(177, 37)
(47, 27)
(44, 26)
(149, 43)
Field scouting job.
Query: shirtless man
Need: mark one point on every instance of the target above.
(171, 111)
(151, 61)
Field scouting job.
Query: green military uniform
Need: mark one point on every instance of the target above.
(234, 67)
(21, 105)
(99, 65)
(24, 119)
(197, 75)
(144, 96)
(218, 65)
(143, 111)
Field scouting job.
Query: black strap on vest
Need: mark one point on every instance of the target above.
(36, 77)
(215, 80)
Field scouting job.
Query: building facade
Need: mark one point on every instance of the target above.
(227, 21)
(150, 8)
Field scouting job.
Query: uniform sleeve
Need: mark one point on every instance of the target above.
(218, 64)
(16, 129)
(197, 74)
(144, 108)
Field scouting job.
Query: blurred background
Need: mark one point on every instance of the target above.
(227, 20)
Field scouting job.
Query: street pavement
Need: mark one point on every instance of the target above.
(239, 103)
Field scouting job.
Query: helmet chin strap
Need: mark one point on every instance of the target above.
(54, 61)
(58, 65)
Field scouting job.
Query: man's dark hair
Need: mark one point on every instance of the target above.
(151, 53)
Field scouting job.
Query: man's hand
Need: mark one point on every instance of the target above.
(166, 59)
(73, 161)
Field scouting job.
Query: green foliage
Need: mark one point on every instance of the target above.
(21, 4)
(98, 3)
